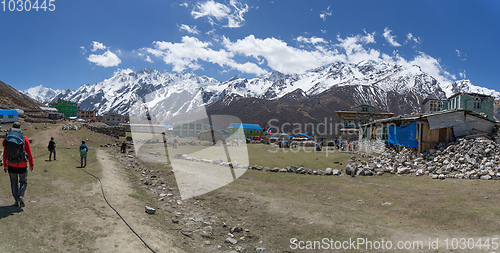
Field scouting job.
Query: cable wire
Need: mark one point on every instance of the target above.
(119, 215)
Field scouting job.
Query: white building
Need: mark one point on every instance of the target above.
(7, 116)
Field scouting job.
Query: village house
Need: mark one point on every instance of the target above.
(113, 119)
(430, 105)
(240, 131)
(426, 130)
(90, 116)
(188, 128)
(7, 116)
(479, 103)
(67, 108)
(351, 118)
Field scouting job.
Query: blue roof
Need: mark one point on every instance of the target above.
(8, 112)
(308, 136)
(245, 126)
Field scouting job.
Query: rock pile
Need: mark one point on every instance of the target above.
(70, 127)
(474, 158)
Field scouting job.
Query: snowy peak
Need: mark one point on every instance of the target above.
(466, 86)
(41, 93)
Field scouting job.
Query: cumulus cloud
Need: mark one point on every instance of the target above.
(258, 56)
(325, 14)
(189, 29)
(188, 54)
(390, 38)
(355, 50)
(108, 59)
(279, 56)
(97, 46)
(231, 15)
(313, 40)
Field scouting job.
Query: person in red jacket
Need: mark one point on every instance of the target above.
(18, 170)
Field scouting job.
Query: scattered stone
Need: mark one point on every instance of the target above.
(236, 230)
(231, 240)
(386, 203)
(150, 210)
(329, 171)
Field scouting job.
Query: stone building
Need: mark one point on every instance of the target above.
(479, 103)
(113, 119)
(430, 105)
(351, 118)
(87, 115)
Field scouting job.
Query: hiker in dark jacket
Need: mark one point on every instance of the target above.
(52, 148)
(17, 167)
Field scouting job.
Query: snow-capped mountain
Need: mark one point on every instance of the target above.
(41, 94)
(385, 85)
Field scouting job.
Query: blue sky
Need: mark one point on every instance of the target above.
(87, 41)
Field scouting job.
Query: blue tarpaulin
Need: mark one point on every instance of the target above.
(406, 135)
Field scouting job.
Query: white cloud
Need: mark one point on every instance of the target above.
(185, 55)
(147, 57)
(353, 47)
(390, 38)
(258, 56)
(463, 75)
(184, 4)
(217, 12)
(461, 55)
(313, 40)
(189, 29)
(410, 37)
(108, 59)
(280, 56)
(325, 14)
(97, 46)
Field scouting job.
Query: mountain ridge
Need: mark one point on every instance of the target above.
(388, 86)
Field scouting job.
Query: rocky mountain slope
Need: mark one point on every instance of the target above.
(311, 97)
(12, 99)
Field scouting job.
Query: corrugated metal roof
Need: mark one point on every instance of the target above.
(8, 112)
(245, 126)
(305, 135)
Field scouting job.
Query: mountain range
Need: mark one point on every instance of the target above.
(288, 98)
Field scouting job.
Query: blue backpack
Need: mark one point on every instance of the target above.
(14, 146)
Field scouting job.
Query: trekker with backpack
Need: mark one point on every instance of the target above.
(16, 154)
(83, 154)
(52, 148)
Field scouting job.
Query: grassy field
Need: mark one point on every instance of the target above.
(65, 212)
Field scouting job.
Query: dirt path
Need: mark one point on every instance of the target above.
(119, 237)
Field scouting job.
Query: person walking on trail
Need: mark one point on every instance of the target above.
(83, 154)
(16, 156)
(123, 147)
(52, 148)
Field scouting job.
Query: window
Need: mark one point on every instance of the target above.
(198, 126)
(257, 131)
(349, 123)
(364, 108)
(11, 116)
(191, 126)
(1, 116)
(250, 131)
(477, 103)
